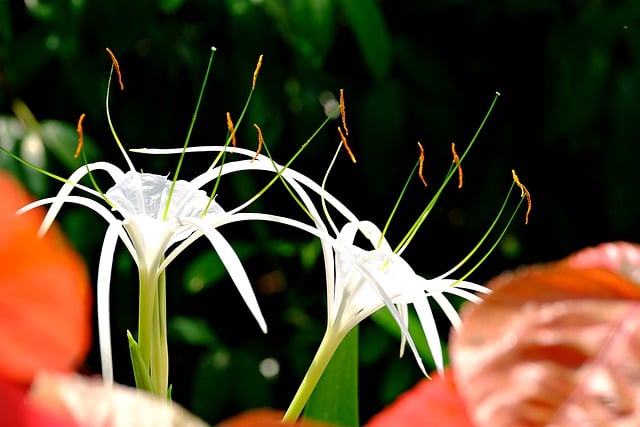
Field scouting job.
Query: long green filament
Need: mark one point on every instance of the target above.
(188, 138)
(452, 170)
(113, 131)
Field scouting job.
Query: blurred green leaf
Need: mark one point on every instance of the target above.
(367, 22)
(61, 139)
(314, 26)
(192, 330)
(207, 269)
(386, 321)
(335, 398)
(170, 6)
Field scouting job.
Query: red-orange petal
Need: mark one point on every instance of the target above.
(45, 294)
(432, 402)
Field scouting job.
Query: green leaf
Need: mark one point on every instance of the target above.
(140, 369)
(369, 27)
(191, 330)
(385, 320)
(335, 398)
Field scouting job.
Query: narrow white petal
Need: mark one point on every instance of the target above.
(103, 286)
(94, 206)
(428, 323)
(234, 267)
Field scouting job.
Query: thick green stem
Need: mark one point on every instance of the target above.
(152, 334)
(325, 352)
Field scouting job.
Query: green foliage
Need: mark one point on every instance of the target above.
(335, 398)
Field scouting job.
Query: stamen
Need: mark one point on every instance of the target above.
(456, 160)
(80, 138)
(523, 193)
(117, 67)
(342, 112)
(255, 73)
(231, 129)
(421, 160)
(346, 146)
(260, 141)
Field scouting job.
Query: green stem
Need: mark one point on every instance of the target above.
(325, 352)
(152, 333)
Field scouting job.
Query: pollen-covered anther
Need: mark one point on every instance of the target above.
(421, 164)
(343, 113)
(117, 67)
(260, 141)
(456, 160)
(255, 73)
(231, 129)
(523, 193)
(346, 145)
(80, 137)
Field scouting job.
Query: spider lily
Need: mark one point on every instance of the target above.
(359, 281)
(156, 219)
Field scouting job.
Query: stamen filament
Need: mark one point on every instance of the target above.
(342, 112)
(523, 193)
(421, 164)
(260, 142)
(80, 138)
(456, 161)
(346, 145)
(188, 138)
(255, 73)
(117, 67)
(232, 131)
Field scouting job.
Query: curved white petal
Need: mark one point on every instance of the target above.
(103, 287)
(94, 206)
(234, 267)
(71, 183)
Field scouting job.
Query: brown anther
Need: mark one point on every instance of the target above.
(80, 137)
(342, 113)
(421, 165)
(117, 67)
(232, 131)
(260, 141)
(523, 193)
(255, 73)
(456, 160)
(346, 146)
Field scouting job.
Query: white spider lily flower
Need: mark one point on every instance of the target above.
(359, 281)
(154, 239)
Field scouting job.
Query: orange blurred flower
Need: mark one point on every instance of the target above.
(45, 294)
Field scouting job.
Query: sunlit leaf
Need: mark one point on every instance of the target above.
(335, 398)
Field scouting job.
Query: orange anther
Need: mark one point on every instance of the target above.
(255, 73)
(346, 146)
(342, 112)
(117, 67)
(523, 193)
(260, 141)
(421, 165)
(80, 138)
(456, 160)
(231, 129)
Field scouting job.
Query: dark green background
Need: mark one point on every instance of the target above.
(567, 121)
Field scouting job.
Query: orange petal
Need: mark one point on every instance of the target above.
(45, 294)
(265, 417)
(555, 344)
(432, 402)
